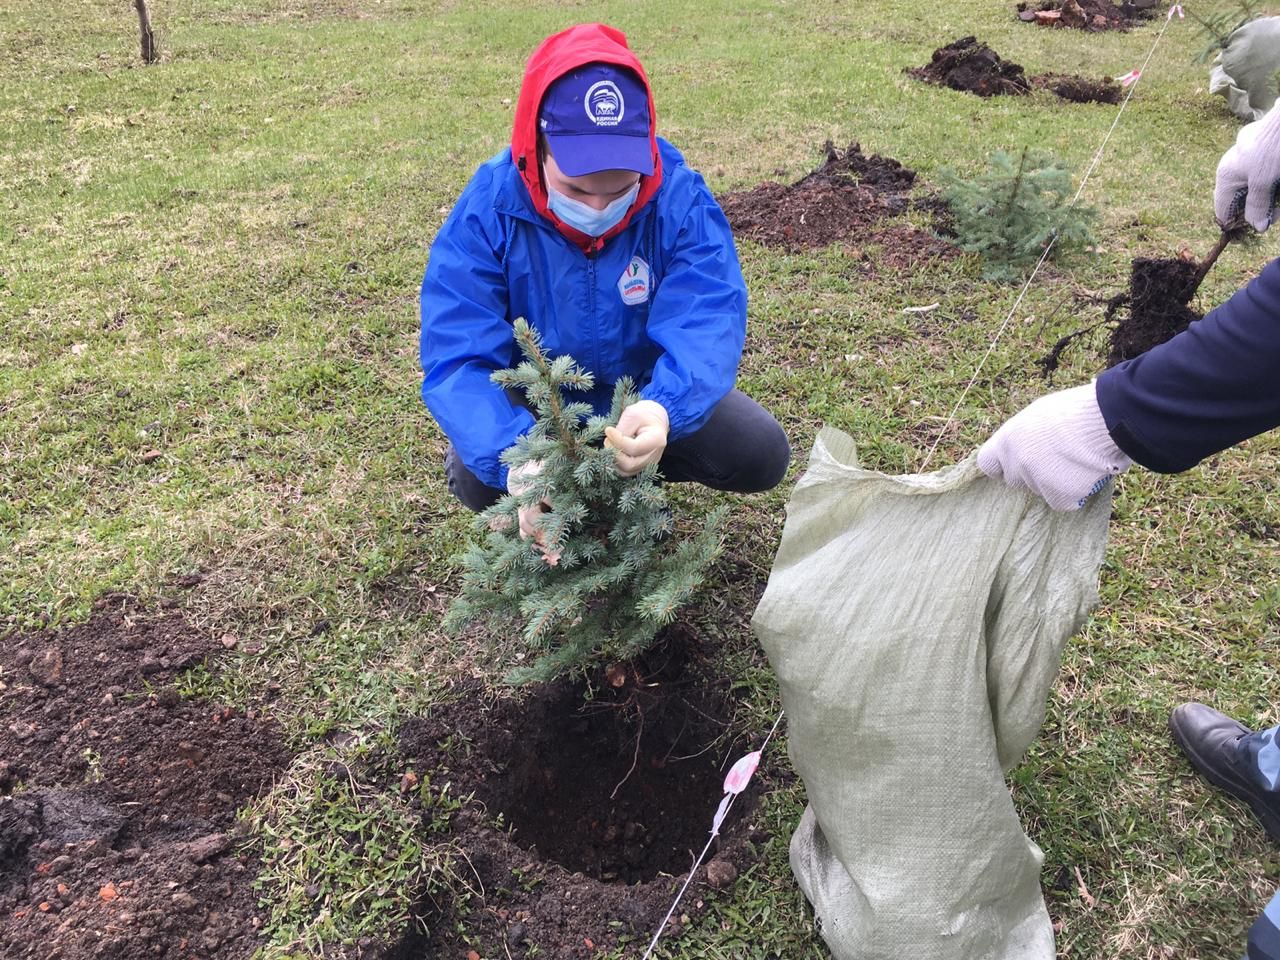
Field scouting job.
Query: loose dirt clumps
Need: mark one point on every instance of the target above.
(970, 66)
(587, 812)
(852, 198)
(118, 798)
(1091, 15)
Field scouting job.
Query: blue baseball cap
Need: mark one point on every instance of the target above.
(596, 117)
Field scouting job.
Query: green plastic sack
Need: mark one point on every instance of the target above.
(1244, 72)
(916, 625)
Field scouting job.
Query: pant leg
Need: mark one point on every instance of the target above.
(1261, 755)
(741, 448)
(1264, 935)
(1261, 751)
(466, 486)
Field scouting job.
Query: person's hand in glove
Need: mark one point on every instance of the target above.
(1058, 447)
(519, 480)
(1249, 175)
(640, 436)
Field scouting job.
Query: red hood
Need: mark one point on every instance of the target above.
(556, 56)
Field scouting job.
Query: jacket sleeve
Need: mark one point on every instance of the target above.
(1206, 389)
(698, 318)
(466, 336)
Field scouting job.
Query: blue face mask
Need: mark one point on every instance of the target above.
(592, 222)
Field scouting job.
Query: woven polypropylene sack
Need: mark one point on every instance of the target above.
(1244, 72)
(916, 625)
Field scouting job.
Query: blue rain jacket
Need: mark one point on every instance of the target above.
(663, 302)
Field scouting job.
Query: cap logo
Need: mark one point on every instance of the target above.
(604, 104)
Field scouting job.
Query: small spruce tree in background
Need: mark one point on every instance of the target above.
(1008, 214)
(616, 572)
(1217, 26)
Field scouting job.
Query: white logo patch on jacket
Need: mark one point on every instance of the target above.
(633, 285)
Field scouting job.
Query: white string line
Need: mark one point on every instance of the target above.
(1097, 157)
(698, 862)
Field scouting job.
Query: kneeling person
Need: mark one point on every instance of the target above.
(593, 228)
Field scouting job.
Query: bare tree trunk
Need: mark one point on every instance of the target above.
(149, 52)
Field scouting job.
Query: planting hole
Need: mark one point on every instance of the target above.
(620, 787)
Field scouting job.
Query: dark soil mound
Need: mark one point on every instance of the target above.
(971, 66)
(1156, 306)
(588, 814)
(886, 175)
(1080, 89)
(852, 197)
(1092, 15)
(117, 799)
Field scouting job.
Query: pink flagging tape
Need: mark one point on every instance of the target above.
(721, 812)
(735, 781)
(739, 776)
(1129, 78)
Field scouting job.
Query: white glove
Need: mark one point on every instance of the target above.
(518, 481)
(1057, 447)
(1249, 174)
(640, 436)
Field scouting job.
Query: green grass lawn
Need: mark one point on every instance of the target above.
(208, 281)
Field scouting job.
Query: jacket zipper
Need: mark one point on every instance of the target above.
(591, 314)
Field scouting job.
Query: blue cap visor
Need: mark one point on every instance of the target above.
(580, 154)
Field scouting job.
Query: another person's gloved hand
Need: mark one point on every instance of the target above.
(1057, 447)
(1249, 175)
(519, 480)
(640, 436)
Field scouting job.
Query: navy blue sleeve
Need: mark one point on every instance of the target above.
(1211, 386)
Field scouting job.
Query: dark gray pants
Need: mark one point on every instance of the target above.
(740, 448)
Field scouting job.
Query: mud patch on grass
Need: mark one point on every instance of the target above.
(589, 809)
(118, 798)
(854, 199)
(1257, 528)
(1079, 89)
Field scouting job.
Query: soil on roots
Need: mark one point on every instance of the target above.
(1091, 15)
(591, 803)
(117, 798)
(970, 66)
(852, 198)
(1155, 308)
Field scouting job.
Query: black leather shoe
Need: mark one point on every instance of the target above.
(1209, 739)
